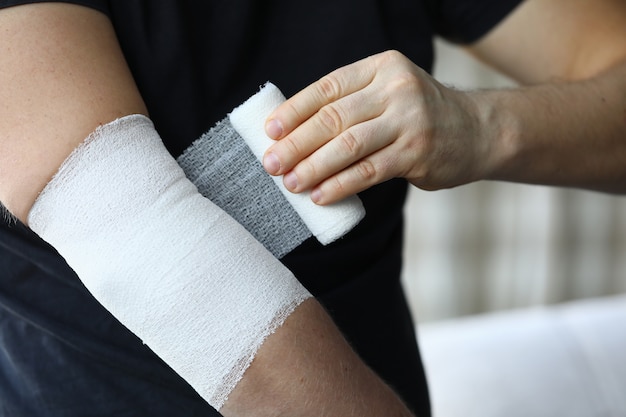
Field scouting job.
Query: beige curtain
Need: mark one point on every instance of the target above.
(495, 246)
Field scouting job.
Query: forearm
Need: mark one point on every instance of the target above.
(307, 369)
(561, 133)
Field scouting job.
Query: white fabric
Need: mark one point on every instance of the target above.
(327, 223)
(168, 263)
(542, 362)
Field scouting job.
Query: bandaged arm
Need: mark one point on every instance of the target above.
(63, 76)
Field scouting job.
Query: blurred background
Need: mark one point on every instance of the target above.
(493, 246)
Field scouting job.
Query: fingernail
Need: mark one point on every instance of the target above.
(271, 164)
(316, 196)
(291, 181)
(274, 129)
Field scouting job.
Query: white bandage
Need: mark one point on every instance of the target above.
(327, 223)
(171, 266)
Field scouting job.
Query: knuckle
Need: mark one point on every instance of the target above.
(391, 56)
(292, 147)
(405, 81)
(306, 170)
(292, 111)
(366, 170)
(337, 186)
(331, 118)
(405, 77)
(360, 176)
(329, 87)
(349, 143)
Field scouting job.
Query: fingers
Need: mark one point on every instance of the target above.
(338, 119)
(355, 128)
(340, 153)
(376, 168)
(316, 115)
(360, 176)
(339, 83)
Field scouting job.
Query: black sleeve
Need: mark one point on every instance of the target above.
(101, 5)
(464, 21)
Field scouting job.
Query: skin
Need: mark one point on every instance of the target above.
(565, 125)
(62, 75)
(55, 91)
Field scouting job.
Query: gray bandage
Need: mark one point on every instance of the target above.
(226, 172)
(225, 166)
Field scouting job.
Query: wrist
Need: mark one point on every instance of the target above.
(497, 134)
(500, 127)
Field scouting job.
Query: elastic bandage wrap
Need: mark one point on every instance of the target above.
(232, 151)
(170, 265)
(327, 223)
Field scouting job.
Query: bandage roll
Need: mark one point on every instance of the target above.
(327, 223)
(170, 265)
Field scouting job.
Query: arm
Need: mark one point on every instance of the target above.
(63, 75)
(567, 128)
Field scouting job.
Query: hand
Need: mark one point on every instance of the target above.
(379, 118)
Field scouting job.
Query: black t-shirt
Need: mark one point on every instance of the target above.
(193, 62)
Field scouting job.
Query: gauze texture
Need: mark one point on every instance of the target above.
(327, 223)
(225, 170)
(178, 271)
